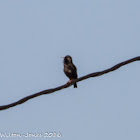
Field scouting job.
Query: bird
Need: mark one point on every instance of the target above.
(69, 69)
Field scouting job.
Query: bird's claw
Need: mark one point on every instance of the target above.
(69, 82)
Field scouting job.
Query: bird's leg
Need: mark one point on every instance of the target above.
(69, 82)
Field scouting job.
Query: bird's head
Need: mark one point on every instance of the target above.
(67, 59)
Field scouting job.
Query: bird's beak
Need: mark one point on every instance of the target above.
(62, 57)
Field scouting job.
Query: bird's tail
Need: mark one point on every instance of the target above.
(75, 85)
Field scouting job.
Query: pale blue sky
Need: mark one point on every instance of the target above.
(35, 34)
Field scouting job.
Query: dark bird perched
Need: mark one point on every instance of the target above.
(69, 69)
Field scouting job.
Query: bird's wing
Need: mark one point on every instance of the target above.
(74, 71)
